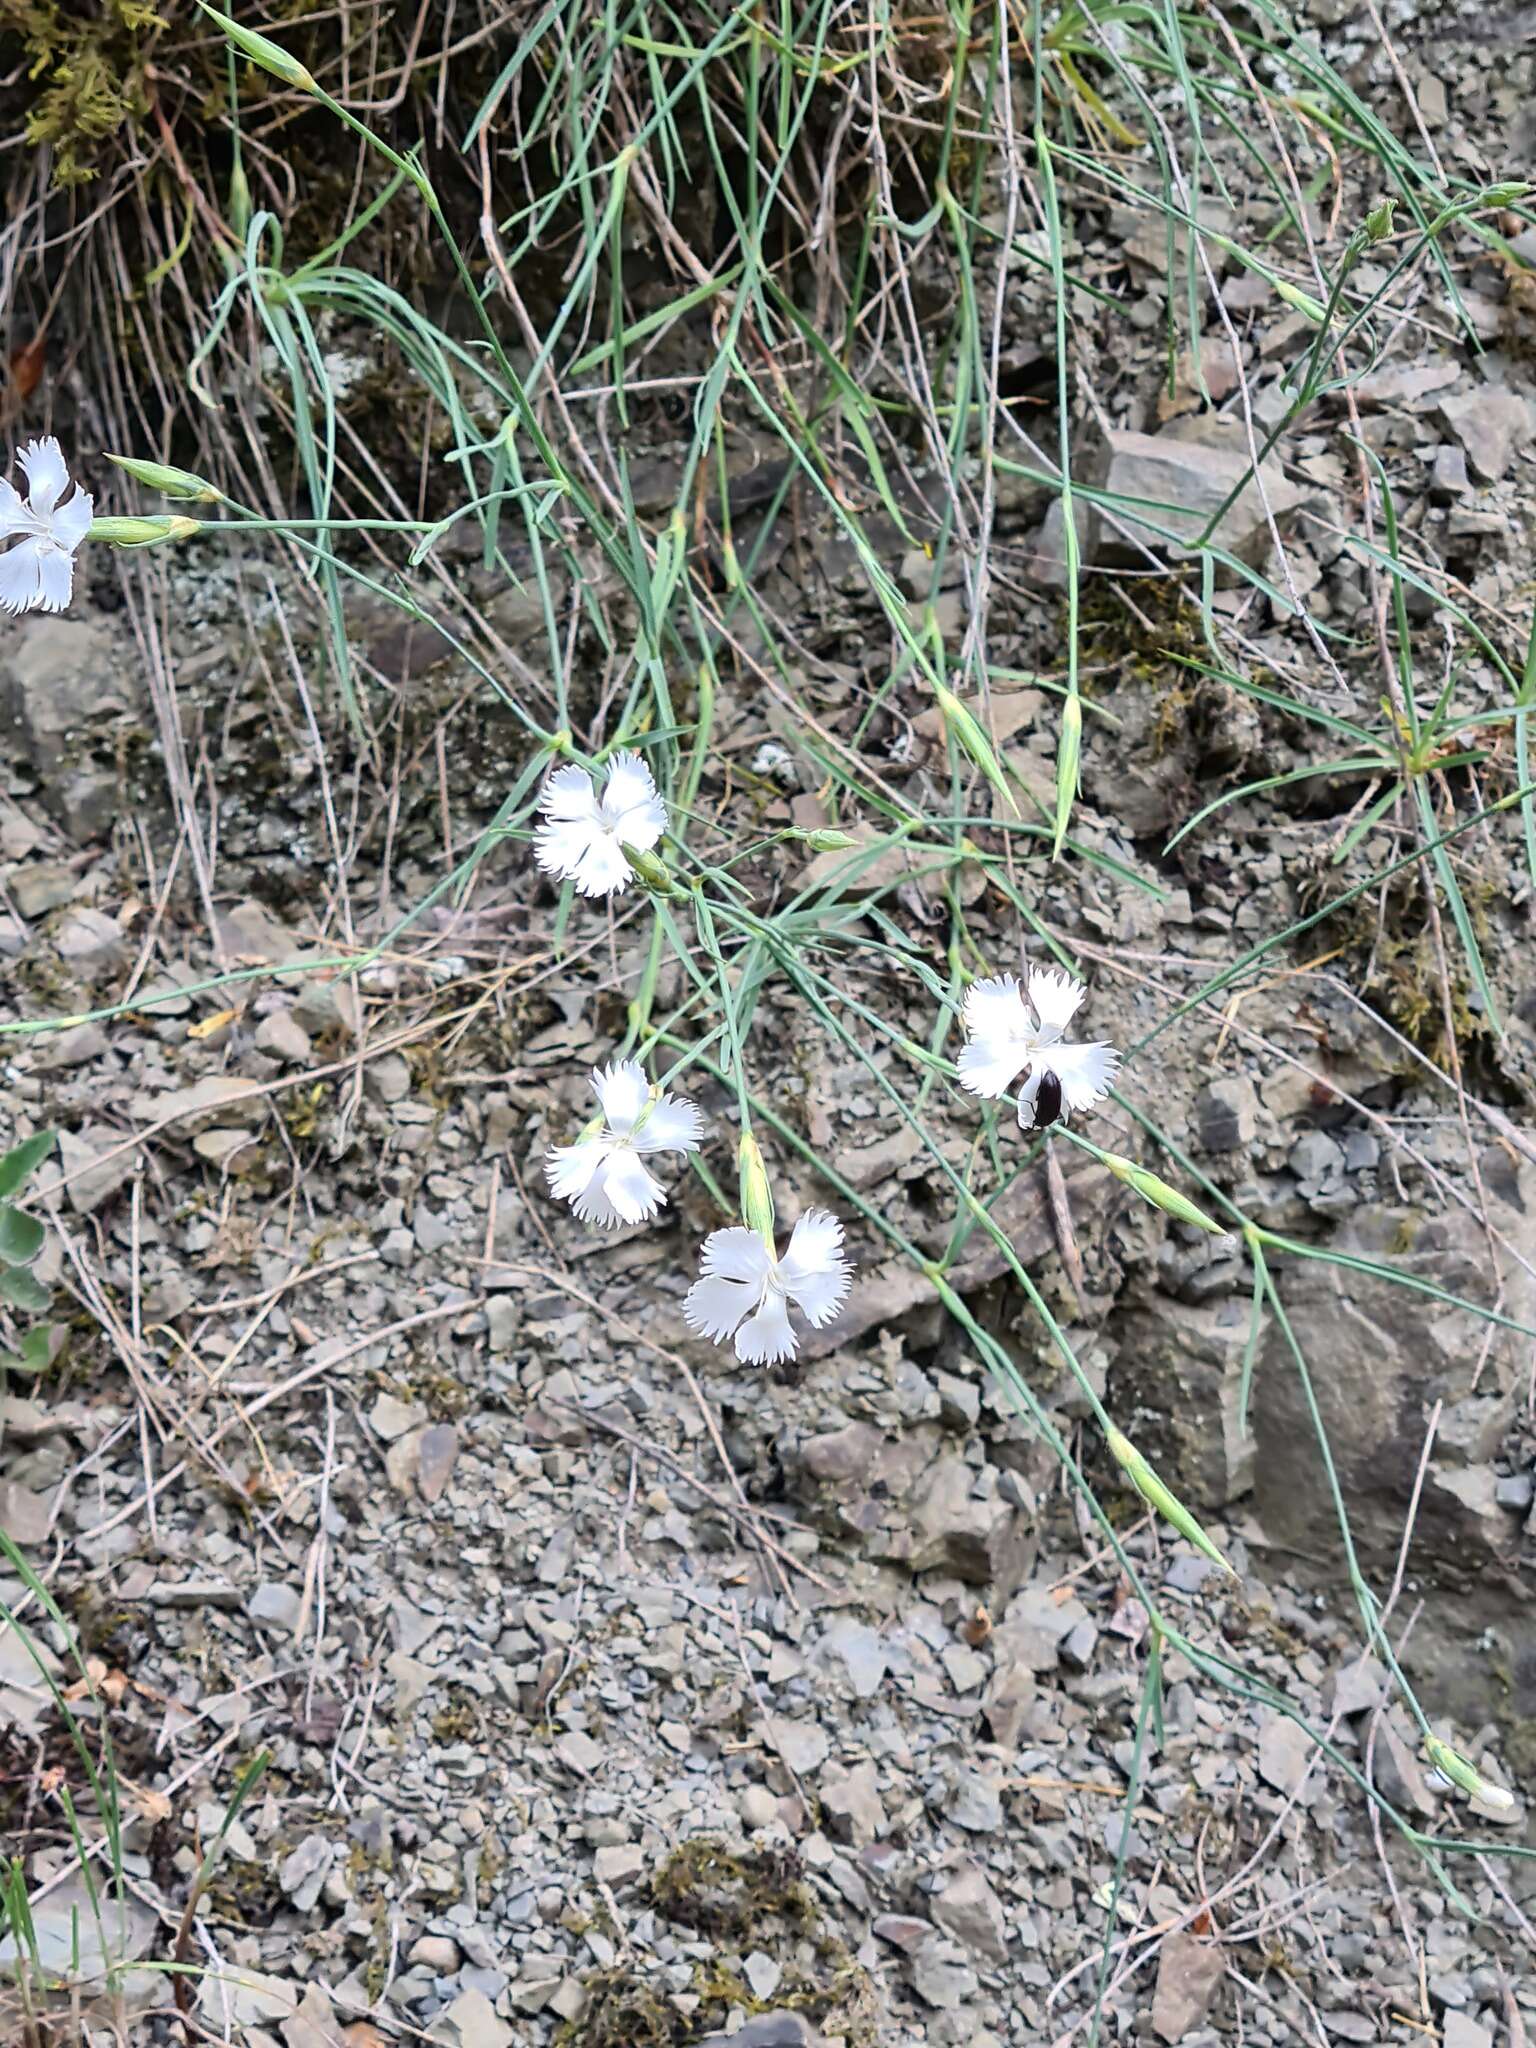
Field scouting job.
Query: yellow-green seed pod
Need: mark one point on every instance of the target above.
(1152, 1188)
(1156, 1495)
(671, 556)
(172, 483)
(261, 50)
(1450, 1763)
(145, 533)
(1507, 194)
(1303, 302)
(1378, 222)
(823, 839)
(650, 872)
(756, 1194)
(1069, 751)
(239, 199)
(967, 734)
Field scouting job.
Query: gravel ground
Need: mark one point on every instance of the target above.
(614, 1694)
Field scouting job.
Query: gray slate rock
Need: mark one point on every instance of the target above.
(971, 1911)
(1187, 471)
(1491, 425)
(1188, 1972)
(768, 2030)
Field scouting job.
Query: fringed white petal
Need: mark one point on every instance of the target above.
(1055, 997)
(673, 1125)
(72, 521)
(20, 577)
(602, 869)
(629, 790)
(994, 1010)
(55, 578)
(622, 1192)
(819, 1296)
(714, 1306)
(988, 1067)
(623, 1091)
(736, 1254)
(46, 472)
(766, 1337)
(569, 794)
(1085, 1072)
(562, 845)
(813, 1271)
(14, 516)
(569, 1168)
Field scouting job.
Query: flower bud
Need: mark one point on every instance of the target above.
(173, 483)
(239, 199)
(823, 839)
(1507, 194)
(756, 1194)
(1303, 302)
(1156, 1495)
(651, 873)
(1152, 1188)
(1069, 748)
(262, 50)
(1378, 222)
(1451, 1764)
(145, 533)
(963, 728)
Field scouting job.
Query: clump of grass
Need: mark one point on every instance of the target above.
(88, 76)
(740, 1899)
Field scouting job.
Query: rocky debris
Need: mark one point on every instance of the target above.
(560, 1751)
(229, 1097)
(1399, 1773)
(72, 1939)
(94, 1163)
(281, 1036)
(1389, 1356)
(45, 886)
(1193, 1354)
(963, 1526)
(1165, 489)
(89, 943)
(327, 1008)
(969, 1909)
(1226, 1113)
(69, 689)
(277, 1607)
(851, 1801)
(768, 2030)
(1491, 425)
(1189, 1972)
(1448, 479)
(1287, 1756)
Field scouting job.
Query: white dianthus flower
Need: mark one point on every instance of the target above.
(746, 1289)
(583, 836)
(38, 573)
(603, 1175)
(1009, 1036)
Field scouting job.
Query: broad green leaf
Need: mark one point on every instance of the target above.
(19, 1288)
(22, 1160)
(31, 1355)
(21, 1237)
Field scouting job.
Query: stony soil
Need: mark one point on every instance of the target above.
(616, 1695)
